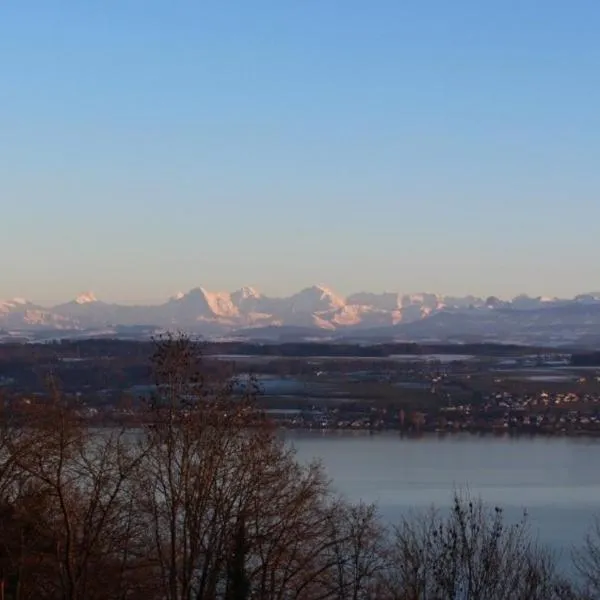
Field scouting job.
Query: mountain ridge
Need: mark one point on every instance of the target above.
(318, 308)
(89, 297)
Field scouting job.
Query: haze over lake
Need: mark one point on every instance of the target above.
(557, 480)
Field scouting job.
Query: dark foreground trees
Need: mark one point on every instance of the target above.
(471, 553)
(206, 502)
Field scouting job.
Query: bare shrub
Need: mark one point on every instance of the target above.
(470, 554)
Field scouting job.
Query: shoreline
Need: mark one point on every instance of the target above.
(449, 433)
(497, 433)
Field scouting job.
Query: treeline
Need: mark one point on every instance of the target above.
(89, 366)
(205, 502)
(115, 348)
(379, 350)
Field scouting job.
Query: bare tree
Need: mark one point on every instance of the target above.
(358, 550)
(587, 561)
(232, 513)
(470, 555)
(83, 478)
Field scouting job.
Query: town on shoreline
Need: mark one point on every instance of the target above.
(413, 389)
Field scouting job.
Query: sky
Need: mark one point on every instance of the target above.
(148, 147)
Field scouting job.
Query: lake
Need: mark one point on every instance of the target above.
(557, 480)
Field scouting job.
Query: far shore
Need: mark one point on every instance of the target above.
(410, 433)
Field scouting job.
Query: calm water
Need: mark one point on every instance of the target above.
(557, 480)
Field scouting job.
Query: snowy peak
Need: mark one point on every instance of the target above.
(416, 304)
(86, 298)
(195, 298)
(383, 301)
(411, 316)
(220, 304)
(15, 305)
(205, 304)
(245, 293)
(19, 301)
(314, 299)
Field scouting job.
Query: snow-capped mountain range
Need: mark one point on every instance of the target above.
(318, 309)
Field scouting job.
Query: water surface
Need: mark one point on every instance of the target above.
(556, 480)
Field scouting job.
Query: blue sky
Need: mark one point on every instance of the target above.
(150, 146)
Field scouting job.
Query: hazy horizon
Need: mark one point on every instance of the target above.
(154, 147)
